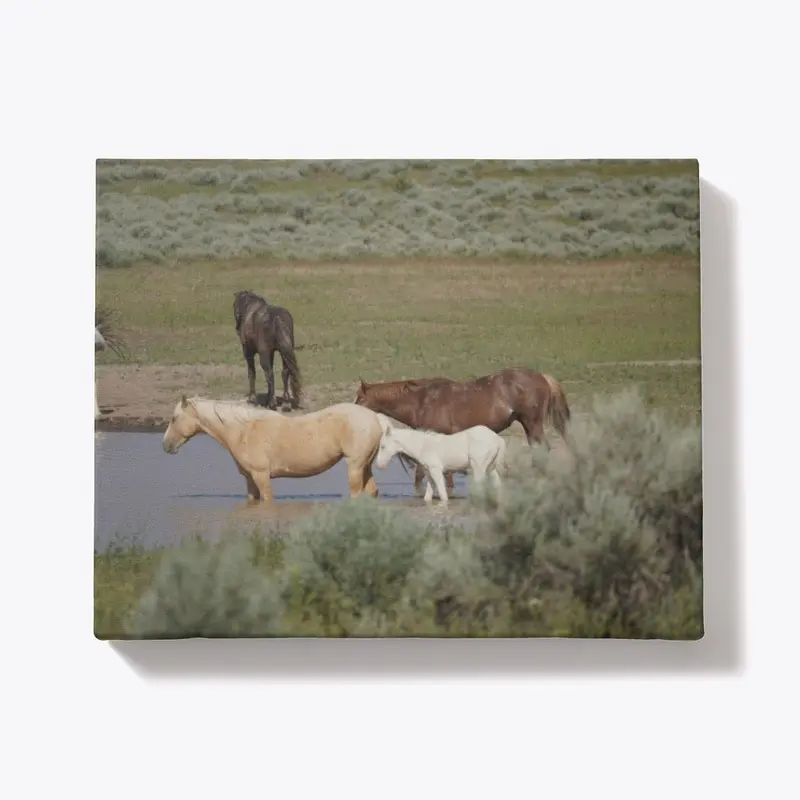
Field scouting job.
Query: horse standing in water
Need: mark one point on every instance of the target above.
(478, 449)
(496, 401)
(263, 329)
(266, 444)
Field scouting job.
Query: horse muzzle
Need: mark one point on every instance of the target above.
(170, 447)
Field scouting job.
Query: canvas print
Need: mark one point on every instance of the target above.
(393, 398)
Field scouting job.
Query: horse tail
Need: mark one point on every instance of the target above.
(557, 409)
(286, 349)
(407, 463)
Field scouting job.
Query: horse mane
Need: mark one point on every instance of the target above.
(249, 295)
(231, 411)
(392, 389)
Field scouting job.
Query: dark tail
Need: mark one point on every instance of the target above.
(407, 463)
(558, 409)
(286, 349)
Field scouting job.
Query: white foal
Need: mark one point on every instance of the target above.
(478, 450)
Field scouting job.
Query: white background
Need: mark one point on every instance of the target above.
(712, 81)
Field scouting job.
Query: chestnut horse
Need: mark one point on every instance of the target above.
(443, 405)
(388, 388)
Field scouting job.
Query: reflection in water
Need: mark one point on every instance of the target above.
(144, 496)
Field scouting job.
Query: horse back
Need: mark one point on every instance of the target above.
(460, 405)
(261, 324)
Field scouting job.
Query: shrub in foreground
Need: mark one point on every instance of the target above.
(209, 591)
(343, 560)
(613, 532)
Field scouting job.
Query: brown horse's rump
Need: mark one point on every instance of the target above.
(496, 401)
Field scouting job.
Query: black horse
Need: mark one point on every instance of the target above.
(263, 329)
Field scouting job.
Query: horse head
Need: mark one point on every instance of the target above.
(182, 426)
(362, 395)
(389, 446)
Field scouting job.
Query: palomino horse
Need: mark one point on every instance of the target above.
(496, 401)
(263, 329)
(478, 449)
(266, 444)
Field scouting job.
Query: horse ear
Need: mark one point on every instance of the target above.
(363, 385)
(184, 401)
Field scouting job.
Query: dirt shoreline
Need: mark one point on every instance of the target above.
(119, 424)
(140, 399)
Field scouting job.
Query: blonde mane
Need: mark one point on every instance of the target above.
(231, 411)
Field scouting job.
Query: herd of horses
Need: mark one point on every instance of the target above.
(452, 425)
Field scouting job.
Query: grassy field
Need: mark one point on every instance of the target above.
(569, 265)
(580, 322)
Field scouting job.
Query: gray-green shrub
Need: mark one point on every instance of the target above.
(385, 209)
(209, 591)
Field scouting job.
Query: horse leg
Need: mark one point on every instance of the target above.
(534, 430)
(286, 399)
(356, 475)
(450, 480)
(264, 486)
(438, 478)
(253, 494)
(419, 474)
(250, 358)
(477, 468)
(370, 487)
(429, 488)
(268, 365)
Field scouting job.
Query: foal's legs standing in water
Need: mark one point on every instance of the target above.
(435, 475)
(419, 474)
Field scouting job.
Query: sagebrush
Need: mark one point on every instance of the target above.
(345, 210)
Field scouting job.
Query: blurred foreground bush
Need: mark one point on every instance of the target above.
(604, 543)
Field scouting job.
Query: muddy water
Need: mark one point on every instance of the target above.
(144, 496)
